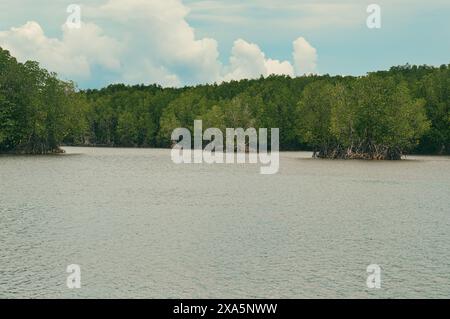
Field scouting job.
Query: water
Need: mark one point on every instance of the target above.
(142, 227)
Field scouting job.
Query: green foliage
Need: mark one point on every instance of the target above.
(36, 109)
(435, 90)
(371, 117)
(314, 114)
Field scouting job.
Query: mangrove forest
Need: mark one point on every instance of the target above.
(382, 115)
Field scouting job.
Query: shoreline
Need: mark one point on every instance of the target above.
(281, 151)
(63, 152)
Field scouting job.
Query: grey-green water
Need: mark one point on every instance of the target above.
(140, 226)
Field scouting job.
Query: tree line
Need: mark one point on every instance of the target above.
(382, 115)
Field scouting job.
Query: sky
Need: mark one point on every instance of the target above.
(187, 42)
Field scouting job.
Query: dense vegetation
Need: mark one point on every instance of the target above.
(379, 116)
(37, 111)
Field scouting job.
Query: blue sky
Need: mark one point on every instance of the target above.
(175, 42)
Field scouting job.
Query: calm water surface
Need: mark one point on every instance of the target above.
(142, 227)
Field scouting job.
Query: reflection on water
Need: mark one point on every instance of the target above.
(140, 226)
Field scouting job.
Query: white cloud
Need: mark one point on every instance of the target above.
(144, 71)
(72, 56)
(158, 36)
(247, 61)
(305, 57)
(146, 41)
(279, 68)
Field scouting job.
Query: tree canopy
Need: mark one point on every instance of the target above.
(37, 110)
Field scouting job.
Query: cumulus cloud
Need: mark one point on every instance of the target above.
(305, 57)
(247, 61)
(279, 68)
(71, 56)
(146, 41)
(159, 37)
